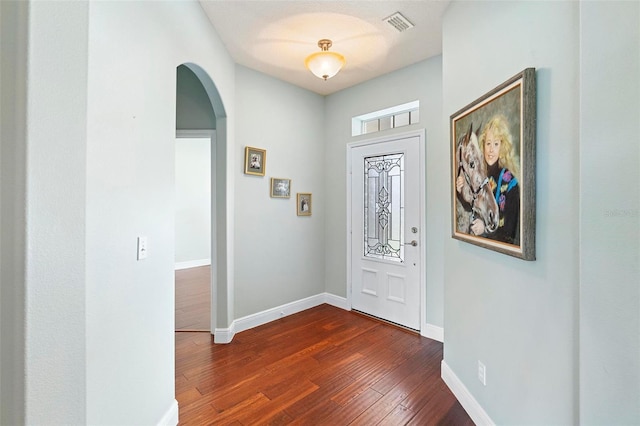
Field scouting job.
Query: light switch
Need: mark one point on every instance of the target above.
(142, 248)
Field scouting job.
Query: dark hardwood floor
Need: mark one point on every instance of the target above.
(323, 366)
(193, 299)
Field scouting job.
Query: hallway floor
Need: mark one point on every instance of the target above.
(323, 366)
(193, 299)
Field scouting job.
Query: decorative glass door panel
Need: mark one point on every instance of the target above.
(384, 207)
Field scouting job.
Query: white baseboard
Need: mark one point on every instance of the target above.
(192, 264)
(337, 301)
(468, 402)
(170, 418)
(225, 335)
(433, 332)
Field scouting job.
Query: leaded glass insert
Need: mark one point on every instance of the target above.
(384, 207)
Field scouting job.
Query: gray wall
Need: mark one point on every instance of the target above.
(13, 82)
(609, 213)
(193, 107)
(130, 181)
(562, 333)
(423, 82)
(52, 219)
(90, 151)
(279, 256)
(193, 201)
(519, 318)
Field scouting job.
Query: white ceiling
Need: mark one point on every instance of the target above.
(274, 37)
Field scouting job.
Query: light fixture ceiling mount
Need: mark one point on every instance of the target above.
(324, 64)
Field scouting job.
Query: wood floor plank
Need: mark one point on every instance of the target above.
(278, 406)
(193, 298)
(323, 366)
(385, 405)
(455, 416)
(354, 407)
(322, 395)
(428, 355)
(399, 415)
(431, 412)
(422, 395)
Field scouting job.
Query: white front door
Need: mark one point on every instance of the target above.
(385, 230)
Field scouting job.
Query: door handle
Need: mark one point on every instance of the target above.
(412, 243)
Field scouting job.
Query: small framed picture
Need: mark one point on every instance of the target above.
(255, 161)
(280, 188)
(304, 204)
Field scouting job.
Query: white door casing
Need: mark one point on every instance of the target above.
(386, 274)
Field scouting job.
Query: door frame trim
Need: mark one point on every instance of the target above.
(420, 133)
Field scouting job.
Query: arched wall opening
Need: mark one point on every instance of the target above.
(220, 234)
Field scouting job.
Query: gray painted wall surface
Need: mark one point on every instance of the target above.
(423, 82)
(55, 373)
(519, 318)
(92, 154)
(193, 108)
(279, 256)
(609, 213)
(13, 82)
(131, 111)
(193, 199)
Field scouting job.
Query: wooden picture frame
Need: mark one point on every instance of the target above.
(493, 163)
(303, 204)
(280, 188)
(255, 161)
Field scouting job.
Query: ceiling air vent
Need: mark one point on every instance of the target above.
(398, 22)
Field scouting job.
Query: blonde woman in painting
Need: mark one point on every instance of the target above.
(503, 171)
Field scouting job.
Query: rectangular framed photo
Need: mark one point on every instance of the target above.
(280, 188)
(255, 161)
(303, 204)
(493, 164)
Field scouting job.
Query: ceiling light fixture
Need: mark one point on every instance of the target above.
(324, 64)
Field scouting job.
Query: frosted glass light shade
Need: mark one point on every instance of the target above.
(324, 64)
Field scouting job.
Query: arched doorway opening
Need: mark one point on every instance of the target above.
(219, 294)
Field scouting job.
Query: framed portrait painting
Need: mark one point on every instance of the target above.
(493, 163)
(255, 161)
(303, 204)
(280, 188)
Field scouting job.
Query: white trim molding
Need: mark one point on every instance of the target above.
(225, 335)
(433, 332)
(337, 301)
(468, 402)
(192, 264)
(170, 418)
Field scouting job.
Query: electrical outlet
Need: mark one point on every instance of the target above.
(482, 373)
(142, 248)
